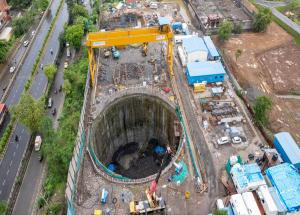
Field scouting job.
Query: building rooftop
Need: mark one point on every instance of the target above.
(279, 204)
(247, 176)
(205, 68)
(210, 46)
(194, 44)
(289, 145)
(286, 179)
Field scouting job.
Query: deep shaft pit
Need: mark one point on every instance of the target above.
(131, 133)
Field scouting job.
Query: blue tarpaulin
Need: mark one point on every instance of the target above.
(112, 167)
(286, 179)
(179, 178)
(159, 150)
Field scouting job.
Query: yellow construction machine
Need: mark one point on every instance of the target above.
(153, 204)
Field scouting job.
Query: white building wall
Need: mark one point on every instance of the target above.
(266, 200)
(250, 203)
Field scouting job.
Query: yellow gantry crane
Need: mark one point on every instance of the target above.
(128, 36)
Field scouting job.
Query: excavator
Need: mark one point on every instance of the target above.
(153, 204)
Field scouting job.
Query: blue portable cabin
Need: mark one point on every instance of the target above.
(209, 72)
(286, 180)
(213, 53)
(287, 148)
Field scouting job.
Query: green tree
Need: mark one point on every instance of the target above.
(30, 111)
(238, 28)
(238, 54)
(261, 106)
(3, 207)
(43, 4)
(81, 20)
(262, 20)
(50, 71)
(4, 48)
(219, 212)
(74, 34)
(225, 30)
(20, 4)
(22, 24)
(78, 10)
(67, 87)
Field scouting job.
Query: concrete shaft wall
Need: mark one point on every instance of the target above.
(133, 118)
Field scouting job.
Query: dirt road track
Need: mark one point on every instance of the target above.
(195, 131)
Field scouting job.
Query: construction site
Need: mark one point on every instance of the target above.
(210, 14)
(167, 132)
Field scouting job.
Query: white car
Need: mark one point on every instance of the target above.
(223, 140)
(26, 42)
(32, 33)
(12, 69)
(236, 140)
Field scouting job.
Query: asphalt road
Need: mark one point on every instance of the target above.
(40, 81)
(32, 179)
(27, 66)
(10, 164)
(5, 74)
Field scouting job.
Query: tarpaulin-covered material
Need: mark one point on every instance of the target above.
(247, 177)
(286, 179)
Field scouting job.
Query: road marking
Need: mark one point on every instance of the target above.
(22, 131)
(7, 172)
(17, 146)
(3, 183)
(0, 192)
(14, 154)
(10, 163)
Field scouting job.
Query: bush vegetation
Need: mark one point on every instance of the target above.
(261, 107)
(225, 30)
(58, 145)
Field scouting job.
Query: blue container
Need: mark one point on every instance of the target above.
(287, 148)
(177, 26)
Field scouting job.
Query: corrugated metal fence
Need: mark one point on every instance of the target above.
(77, 154)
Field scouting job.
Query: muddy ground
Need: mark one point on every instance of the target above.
(270, 65)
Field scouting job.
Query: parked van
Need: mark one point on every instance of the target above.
(237, 204)
(250, 203)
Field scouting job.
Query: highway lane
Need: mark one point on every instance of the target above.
(5, 74)
(30, 185)
(40, 81)
(10, 164)
(13, 156)
(27, 66)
